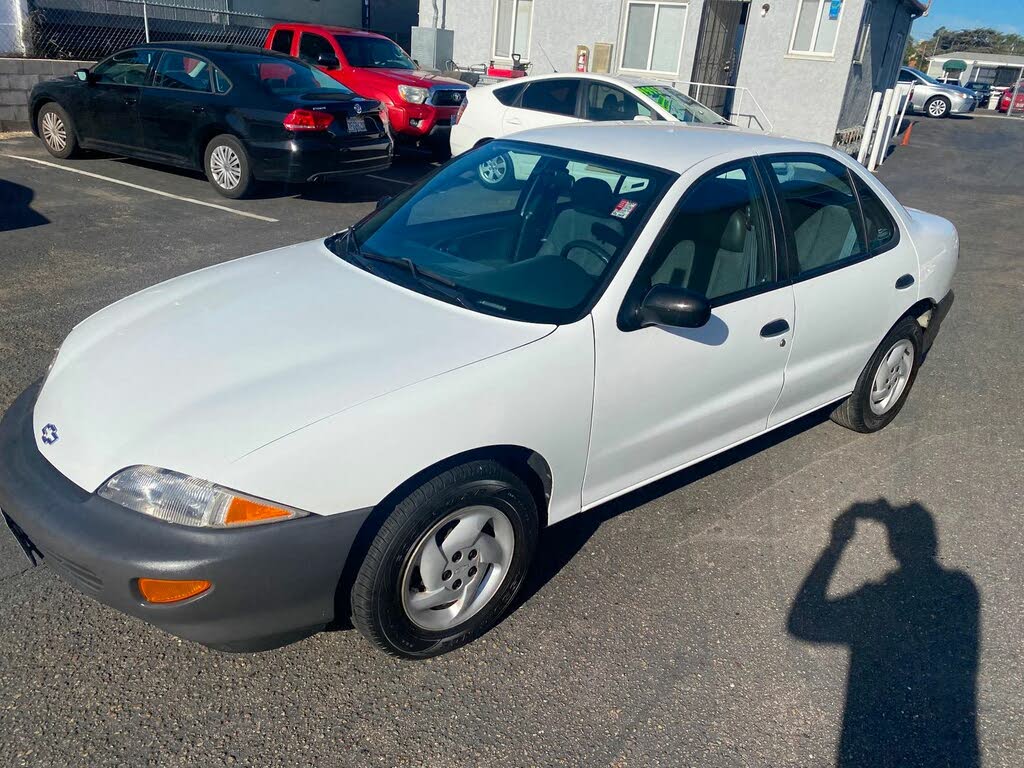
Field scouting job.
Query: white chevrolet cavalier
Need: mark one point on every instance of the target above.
(380, 423)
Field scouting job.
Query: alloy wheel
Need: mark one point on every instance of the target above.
(457, 567)
(54, 133)
(493, 171)
(937, 108)
(891, 377)
(226, 167)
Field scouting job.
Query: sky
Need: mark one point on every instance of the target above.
(1003, 15)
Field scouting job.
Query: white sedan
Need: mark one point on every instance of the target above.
(382, 422)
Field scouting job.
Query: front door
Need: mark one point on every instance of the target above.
(543, 103)
(110, 115)
(719, 45)
(667, 397)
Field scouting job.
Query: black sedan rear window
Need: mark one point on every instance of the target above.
(283, 77)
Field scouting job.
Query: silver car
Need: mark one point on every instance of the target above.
(937, 99)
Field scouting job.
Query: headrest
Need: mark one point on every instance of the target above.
(734, 237)
(593, 196)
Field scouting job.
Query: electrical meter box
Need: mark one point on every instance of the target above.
(432, 47)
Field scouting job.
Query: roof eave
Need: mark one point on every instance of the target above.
(917, 7)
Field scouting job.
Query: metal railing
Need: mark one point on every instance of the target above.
(754, 117)
(93, 29)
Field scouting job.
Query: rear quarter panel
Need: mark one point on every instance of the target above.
(938, 252)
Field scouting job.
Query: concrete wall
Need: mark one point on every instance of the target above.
(17, 78)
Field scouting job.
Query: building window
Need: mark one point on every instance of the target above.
(513, 20)
(816, 27)
(654, 36)
(861, 49)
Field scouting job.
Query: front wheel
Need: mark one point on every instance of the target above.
(227, 166)
(57, 131)
(497, 173)
(937, 106)
(447, 562)
(885, 382)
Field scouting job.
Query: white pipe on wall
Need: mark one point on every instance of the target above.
(869, 126)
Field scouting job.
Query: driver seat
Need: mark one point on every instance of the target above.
(591, 202)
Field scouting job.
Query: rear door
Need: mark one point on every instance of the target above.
(854, 275)
(543, 103)
(177, 106)
(110, 114)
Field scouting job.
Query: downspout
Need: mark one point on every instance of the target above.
(433, 4)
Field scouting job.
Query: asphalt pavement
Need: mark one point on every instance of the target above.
(686, 624)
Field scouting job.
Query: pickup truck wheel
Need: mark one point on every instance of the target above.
(884, 384)
(937, 106)
(56, 131)
(227, 166)
(447, 562)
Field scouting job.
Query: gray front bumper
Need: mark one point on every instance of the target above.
(271, 583)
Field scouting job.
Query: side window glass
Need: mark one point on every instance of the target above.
(555, 96)
(311, 47)
(508, 94)
(182, 72)
(124, 68)
(606, 102)
(718, 242)
(878, 223)
(821, 210)
(282, 42)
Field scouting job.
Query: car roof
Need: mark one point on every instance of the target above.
(673, 146)
(190, 46)
(330, 29)
(631, 82)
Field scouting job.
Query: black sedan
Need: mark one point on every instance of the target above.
(240, 114)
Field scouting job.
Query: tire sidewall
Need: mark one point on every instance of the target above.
(236, 146)
(392, 624)
(906, 329)
(72, 143)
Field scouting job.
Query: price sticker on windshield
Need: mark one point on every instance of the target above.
(624, 208)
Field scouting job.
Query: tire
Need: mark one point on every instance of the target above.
(481, 496)
(497, 173)
(57, 131)
(902, 346)
(227, 166)
(937, 106)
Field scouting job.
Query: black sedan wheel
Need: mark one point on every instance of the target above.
(56, 131)
(227, 166)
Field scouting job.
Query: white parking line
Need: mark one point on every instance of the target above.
(393, 181)
(144, 189)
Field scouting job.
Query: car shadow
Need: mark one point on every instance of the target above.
(913, 642)
(16, 210)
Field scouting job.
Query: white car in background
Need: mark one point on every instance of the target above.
(494, 111)
(429, 389)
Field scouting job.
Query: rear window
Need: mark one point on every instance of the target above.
(508, 94)
(281, 76)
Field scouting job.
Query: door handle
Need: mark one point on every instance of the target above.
(198, 110)
(905, 281)
(130, 100)
(514, 121)
(775, 328)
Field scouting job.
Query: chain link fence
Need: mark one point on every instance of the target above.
(94, 29)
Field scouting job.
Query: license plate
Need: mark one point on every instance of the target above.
(33, 555)
(356, 125)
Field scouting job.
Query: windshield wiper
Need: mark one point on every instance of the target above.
(424, 277)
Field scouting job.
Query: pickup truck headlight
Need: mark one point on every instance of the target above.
(184, 500)
(413, 94)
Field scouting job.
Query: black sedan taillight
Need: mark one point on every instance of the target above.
(308, 120)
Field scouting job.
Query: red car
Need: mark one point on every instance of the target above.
(421, 105)
(1004, 100)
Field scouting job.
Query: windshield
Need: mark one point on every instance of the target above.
(374, 53)
(522, 231)
(679, 105)
(285, 77)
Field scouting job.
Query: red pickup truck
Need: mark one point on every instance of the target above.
(421, 105)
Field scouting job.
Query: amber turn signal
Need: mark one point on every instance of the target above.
(247, 511)
(171, 590)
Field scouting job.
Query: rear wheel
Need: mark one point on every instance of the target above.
(227, 166)
(937, 106)
(447, 562)
(496, 173)
(56, 131)
(884, 384)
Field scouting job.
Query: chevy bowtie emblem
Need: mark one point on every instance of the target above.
(358, 109)
(50, 435)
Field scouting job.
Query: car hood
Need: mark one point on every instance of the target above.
(418, 77)
(197, 372)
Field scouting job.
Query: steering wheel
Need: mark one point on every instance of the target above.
(586, 245)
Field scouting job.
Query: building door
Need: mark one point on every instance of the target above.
(719, 44)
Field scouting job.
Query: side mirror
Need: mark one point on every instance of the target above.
(83, 75)
(328, 61)
(673, 307)
(383, 201)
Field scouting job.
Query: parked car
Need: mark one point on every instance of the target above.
(497, 110)
(934, 98)
(420, 104)
(428, 389)
(1007, 97)
(982, 91)
(239, 114)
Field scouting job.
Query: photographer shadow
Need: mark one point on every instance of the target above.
(913, 640)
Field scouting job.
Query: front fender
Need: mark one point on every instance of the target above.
(539, 396)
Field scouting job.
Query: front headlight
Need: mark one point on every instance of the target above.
(413, 94)
(185, 500)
